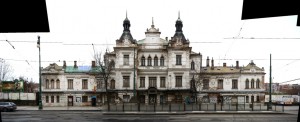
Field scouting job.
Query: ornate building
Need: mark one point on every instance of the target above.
(153, 69)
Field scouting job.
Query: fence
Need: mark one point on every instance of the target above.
(191, 107)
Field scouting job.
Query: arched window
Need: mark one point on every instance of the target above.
(57, 84)
(112, 84)
(247, 83)
(162, 61)
(192, 65)
(155, 61)
(47, 84)
(149, 61)
(257, 83)
(52, 84)
(143, 61)
(252, 83)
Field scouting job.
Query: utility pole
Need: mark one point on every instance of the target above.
(270, 86)
(40, 78)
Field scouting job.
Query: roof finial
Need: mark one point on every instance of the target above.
(126, 14)
(152, 23)
(178, 14)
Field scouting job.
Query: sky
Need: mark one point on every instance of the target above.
(214, 28)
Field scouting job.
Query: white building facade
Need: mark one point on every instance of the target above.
(232, 84)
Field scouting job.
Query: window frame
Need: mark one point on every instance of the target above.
(178, 81)
(126, 81)
(163, 82)
(126, 60)
(142, 82)
(70, 84)
(178, 60)
(85, 83)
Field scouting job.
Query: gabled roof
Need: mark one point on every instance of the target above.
(251, 65)
(53, 66)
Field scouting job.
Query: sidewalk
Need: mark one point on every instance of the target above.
(192, 112)
(86, 108)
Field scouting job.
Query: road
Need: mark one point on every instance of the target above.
(83, 116)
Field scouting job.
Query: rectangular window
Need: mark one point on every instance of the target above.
(152, 81)
(125, 81)
(84, 84)
(99, 83)
(52, 99)
(234, 84)
(205, 84)
(178, 81)
(126, 59)
(178, 59)
(47, 99)
(220, 84)
(257, 98)
(84, 98)
(57, 99)
(247, 99)
(142, 82)
(70, 83)
(163, 82)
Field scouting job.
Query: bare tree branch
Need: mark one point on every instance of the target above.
(5, 71)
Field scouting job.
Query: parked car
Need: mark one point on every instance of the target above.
(7, 106)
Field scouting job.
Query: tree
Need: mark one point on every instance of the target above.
(5, 70)
(106, 67)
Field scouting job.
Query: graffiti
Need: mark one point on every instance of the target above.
(227, 99)
(213, 99)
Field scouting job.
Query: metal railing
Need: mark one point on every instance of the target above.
(177, 107)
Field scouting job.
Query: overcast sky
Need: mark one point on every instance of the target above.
(206, 23)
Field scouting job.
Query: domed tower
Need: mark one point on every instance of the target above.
(126, 37)
(178, 38)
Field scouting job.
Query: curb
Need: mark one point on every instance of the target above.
(192, 112)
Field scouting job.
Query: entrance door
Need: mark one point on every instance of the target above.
(94, 101)
(142, 98)
(152, 98)
(162, 99)
(70, 100)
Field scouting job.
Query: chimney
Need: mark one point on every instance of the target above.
(166, 38)
(212, 63)
(207, 62)
(93, 64)
(75, 64)
(237, 64)
(224, 64)
(64, 64)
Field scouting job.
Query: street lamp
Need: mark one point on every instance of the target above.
(40, 78)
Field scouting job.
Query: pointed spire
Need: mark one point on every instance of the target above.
(126, 14)
(178, 14)
(152, 23)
